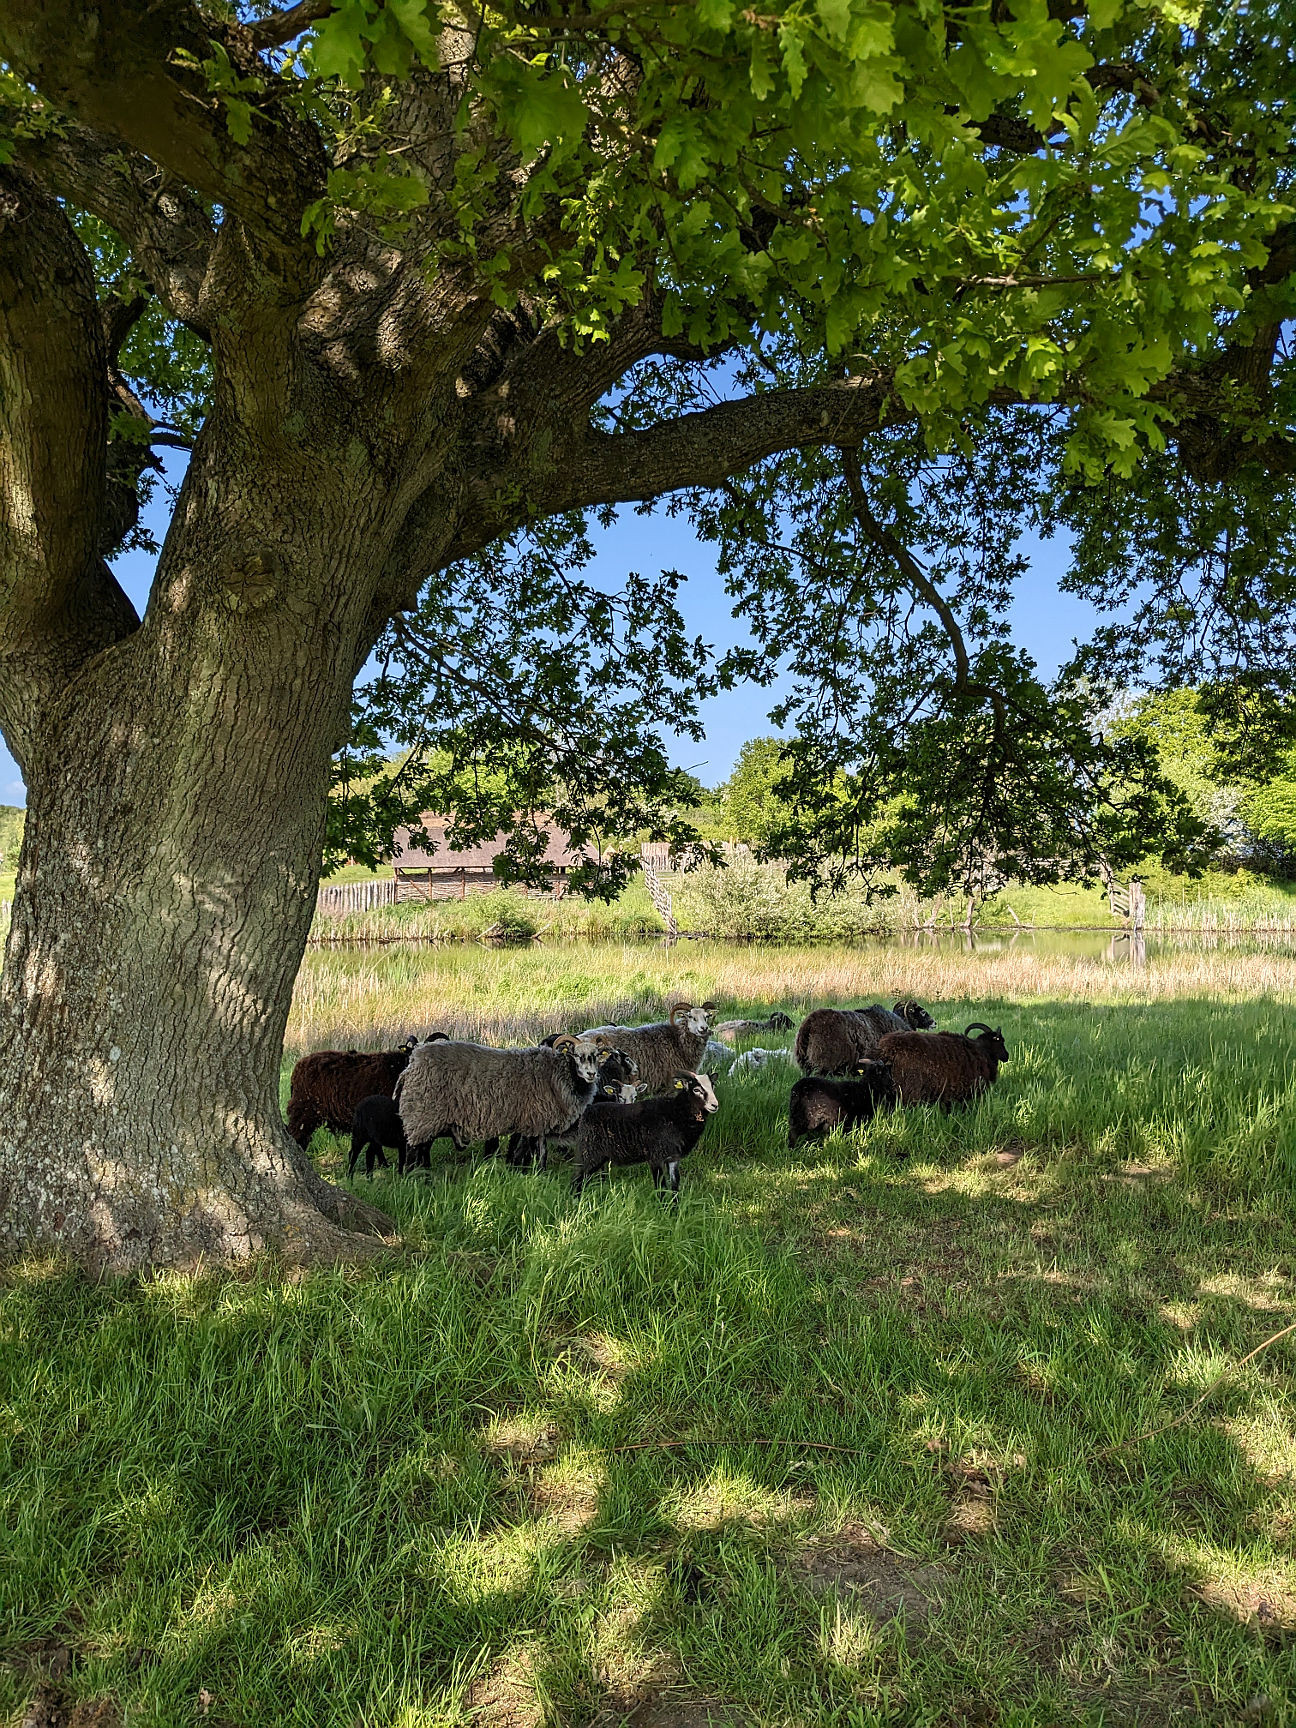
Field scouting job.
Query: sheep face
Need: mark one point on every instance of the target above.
(695, 1020)
(916, 1018)
(627, 1064)
(584, 1057)
(780, 1022)
(990, 1039)
(700, 1089)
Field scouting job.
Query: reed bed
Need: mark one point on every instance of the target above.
(514, 994)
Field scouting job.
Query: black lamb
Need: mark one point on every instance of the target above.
(817, 1105)
(658, 1132)
(375, 1126)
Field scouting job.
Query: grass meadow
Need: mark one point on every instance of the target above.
(837, 1442)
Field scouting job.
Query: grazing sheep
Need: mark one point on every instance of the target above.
(665, 1047)
(729, 1030)
(472, 1092)
(616, 1073)
(817, 1104)
(654, 1131)
(375, 1126)
(752, 1061)
(837, 1040)
(945, 1068)
(327, 1085)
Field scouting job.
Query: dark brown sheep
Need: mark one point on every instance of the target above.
(944, 1068)
(327, 1085)
(837, 1040)
(818, 1105)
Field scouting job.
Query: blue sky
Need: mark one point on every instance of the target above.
(1045, 622)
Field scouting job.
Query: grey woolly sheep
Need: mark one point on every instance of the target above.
(729, 1030)
(817, 1104)
(752, 1061)
(654, 1131)
(472, 1092)
(663, 1048)
(837, 1040)
(616, 1074)
(327, 1085)
(945, 1068)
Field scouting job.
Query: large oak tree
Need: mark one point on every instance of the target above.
(414, 277)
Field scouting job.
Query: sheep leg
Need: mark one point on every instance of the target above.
(378, 1156)
(673, 1171)
(354, 1159)
(542, 1155)
(491, 1147)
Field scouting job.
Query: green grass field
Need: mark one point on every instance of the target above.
(434, 1492)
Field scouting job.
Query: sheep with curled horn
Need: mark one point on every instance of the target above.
(664, 1048)
(945, 1068)
(473, 1092)
(837, 1040)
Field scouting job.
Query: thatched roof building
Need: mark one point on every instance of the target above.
(450, 873)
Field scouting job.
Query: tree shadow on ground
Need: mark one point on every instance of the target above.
(432, 1492)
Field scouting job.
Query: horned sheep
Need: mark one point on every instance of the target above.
(663, 1048)
(945, 1068)
(472, 1092)
(837, 1040)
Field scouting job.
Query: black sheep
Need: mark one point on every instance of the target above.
(817, 1105)
(375, 1126)
(655, 1131)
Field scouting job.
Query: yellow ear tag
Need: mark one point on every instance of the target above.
(679, 1085)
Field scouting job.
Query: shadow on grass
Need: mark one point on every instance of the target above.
(421, 1494)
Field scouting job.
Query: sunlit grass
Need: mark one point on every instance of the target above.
(419, 1495)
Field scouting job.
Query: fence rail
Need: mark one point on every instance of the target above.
(345, 897)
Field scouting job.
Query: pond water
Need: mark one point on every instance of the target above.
(1113, 945)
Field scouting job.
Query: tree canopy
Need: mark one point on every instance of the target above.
(870, 290)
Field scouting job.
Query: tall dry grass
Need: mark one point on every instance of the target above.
(370, 997)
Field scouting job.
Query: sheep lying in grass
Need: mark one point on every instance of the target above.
(327, 1085)
(817, 1105)
(658, 1132)
(663, 1048)
(837, 1040)
(375, 1127)
(472, 1092)
(752, 1061)
(729, 1030)
(944, 1068)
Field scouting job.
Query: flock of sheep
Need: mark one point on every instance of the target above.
(622, 1095)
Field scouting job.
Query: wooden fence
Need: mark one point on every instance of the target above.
(345, 897)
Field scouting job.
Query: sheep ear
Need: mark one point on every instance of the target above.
(679, 1085)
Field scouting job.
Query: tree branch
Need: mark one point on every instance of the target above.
(164, 226)
(59, 602)
(281, 27)
(144, 85)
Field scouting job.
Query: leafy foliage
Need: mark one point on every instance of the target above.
(517, 688)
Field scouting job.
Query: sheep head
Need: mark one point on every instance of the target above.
(916, 1018)
(583, 1053)
(701, 1089)
(779, 1021)
(697, 1020)
(991, 1037)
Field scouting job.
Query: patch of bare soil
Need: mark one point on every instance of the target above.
(972, 1505)
(675, 1710)
(49, 1707)
(504, 1698)
(887, 1584)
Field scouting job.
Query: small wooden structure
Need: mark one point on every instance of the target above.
(453, 873)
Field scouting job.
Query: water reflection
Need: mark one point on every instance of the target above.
(1124, 947)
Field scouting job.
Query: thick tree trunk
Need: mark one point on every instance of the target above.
(176, 807)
